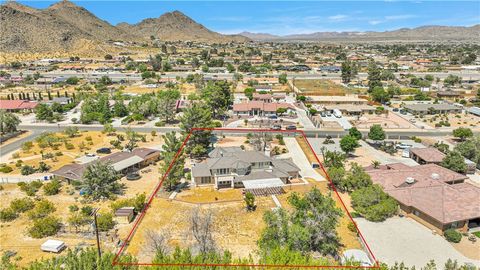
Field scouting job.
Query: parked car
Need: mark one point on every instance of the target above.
(104, 150)
(276, 127)
(395, 109)
(90, 155)
(273, 117)
(403, 146)
(291, 127)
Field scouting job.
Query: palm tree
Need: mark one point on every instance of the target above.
(376, 164)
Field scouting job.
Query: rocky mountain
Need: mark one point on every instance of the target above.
(423, 33)
(259, 36)
(174, 26)
(63, 25)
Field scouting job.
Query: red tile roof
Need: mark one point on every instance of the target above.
(17, 104)
(430, 192)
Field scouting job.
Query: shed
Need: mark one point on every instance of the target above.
(55, 246)
(124, 215)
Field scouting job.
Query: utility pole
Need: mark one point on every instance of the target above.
(96, 233)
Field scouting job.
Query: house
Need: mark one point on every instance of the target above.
(434, 196)
(263, 87)
(122, 162)
(261, 108)
(351, 109)
(232, 167)
(423, 109)
(18, 105)
(337, 100)
(267, 98)
(426, 155)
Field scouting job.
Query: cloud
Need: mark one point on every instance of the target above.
(338, 18)
(399, 17)
(375, 22)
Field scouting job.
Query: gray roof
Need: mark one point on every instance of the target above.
(285, 165)
(201, 170)
(221, 151)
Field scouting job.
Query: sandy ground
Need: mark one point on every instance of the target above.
(455, 120)
(386, 120)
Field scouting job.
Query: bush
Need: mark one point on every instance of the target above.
(452, 235)
(52, 188)
(27, 169)
(373, 203)
(31, 188)
(22, 205)
(7, 214)
(351, 227)
(137, 202)
(5, 169)
(44, 227)
(105, 222)
(42, 209)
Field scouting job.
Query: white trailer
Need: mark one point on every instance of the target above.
(54, 246)
(337, 113)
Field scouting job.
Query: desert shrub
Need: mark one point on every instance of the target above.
(27, 169)
(452, 235)
(87, 210)
(5, 168)
(137, 202)
(105, 222)
(373, 203)
(43, 227)
(30, 188)
(42, 209)
(73, 208)
(7, 214)
(69, 146)
(22, 205)
(351, 227)
(52, 187)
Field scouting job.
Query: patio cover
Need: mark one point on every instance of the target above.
(263, 183)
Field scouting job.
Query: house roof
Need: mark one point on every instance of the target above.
(17, 104)
(430, 192)
(201, 170)
(268, 107)
(263, 183)
(431, 155)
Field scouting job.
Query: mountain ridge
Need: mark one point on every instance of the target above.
(425, 32)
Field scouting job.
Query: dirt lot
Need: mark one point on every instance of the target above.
(386, 120)
(13, 235)
(455, 120)
(91, 140)
(321, 88)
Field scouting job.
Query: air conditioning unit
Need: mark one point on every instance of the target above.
(410, 180)
(435, 176)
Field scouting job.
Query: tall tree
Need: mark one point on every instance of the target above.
(218, 96)
(168, 153)
(100, 180)
(376, 133)
(166, 103)
(348, 144)
(347, 72)
(198, 115)
(455, 162)
(374, 76)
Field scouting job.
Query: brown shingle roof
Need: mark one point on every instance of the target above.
(430, 155)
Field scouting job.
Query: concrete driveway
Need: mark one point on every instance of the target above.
(299, 158)
(405, 240)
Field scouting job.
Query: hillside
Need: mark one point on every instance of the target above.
(423, 33)
(174, 26)
(64, 25)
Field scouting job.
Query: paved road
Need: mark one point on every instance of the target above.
(117, 76)
(299, 158)
(405, 240)
(12, 146)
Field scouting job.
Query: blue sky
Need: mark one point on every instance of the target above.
(292, 17)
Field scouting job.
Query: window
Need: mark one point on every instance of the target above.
(205, 180)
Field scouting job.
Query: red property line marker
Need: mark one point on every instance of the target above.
(159, 185)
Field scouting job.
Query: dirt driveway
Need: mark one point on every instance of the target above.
(404, 240)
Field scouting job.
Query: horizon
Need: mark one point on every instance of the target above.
(290, 17)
